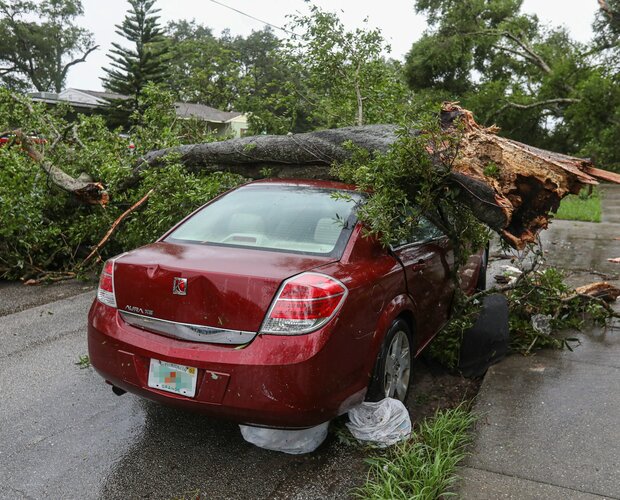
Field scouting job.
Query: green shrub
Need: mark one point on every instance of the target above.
(43, 228)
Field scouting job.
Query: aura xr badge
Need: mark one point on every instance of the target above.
(179, 286)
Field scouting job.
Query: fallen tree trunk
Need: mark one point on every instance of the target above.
(303, 156)
(516, 201)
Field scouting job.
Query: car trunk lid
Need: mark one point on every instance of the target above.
(226, 288)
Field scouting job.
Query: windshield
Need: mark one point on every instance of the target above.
(297, 219)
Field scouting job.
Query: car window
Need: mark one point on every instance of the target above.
(425, 230)
(298, 219)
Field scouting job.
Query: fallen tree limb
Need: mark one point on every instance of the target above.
(92, 193)
(600, 289)
(114, 226)
(600, 293)
(50, 277)
(516, 201)
(306, 156)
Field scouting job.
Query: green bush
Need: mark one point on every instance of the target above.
(43, 228)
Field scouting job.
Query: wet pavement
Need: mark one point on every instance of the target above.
(550, 423)
(611, 200)
(64, 434)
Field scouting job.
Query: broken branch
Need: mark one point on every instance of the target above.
(600, 289)
(114, 226)
(92, 193)
(537, 104)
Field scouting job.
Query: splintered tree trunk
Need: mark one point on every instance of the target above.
(529, 184)
(515, 200)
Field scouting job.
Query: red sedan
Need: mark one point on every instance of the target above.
(268, 306)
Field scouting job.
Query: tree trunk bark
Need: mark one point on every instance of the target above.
(515, 200)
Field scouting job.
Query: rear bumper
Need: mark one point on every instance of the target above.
(296, 381)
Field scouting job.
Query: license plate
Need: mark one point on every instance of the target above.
(171, 377)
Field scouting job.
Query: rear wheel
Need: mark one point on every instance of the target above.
(393, 369)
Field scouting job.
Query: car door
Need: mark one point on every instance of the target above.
(427, 257)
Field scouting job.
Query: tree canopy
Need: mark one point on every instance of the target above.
(40, 42)
(348, 79)
(537, 83)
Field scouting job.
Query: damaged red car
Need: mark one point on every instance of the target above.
(269, 306)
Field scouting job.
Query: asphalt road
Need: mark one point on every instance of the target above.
(64, 434)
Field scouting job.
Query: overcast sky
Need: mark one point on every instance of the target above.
(396, 19)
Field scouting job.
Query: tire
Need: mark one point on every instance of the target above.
(393, 370)
(481, 283)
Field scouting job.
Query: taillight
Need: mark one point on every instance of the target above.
(105, 293)
(303, 304)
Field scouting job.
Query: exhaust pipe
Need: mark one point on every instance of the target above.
(118, 391)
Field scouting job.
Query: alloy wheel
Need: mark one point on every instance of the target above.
(397, 371)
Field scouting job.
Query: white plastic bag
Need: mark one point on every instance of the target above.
(294, 442)
(383, 423)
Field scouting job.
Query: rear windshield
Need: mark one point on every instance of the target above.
(297, 219)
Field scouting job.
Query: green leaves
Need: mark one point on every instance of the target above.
(347, 79)
(146, 62)
(536, 83)
(40, 42)
(43, 229)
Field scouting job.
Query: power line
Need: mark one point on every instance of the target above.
(252, 17)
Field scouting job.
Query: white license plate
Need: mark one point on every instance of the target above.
(171, 377)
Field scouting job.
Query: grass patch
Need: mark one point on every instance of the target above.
(583, 206)
(423, 467)
(83, 361)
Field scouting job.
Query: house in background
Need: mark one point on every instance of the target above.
(92, 101)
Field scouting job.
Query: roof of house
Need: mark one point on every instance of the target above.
(95, 99)
(193, 110)
(99, 94)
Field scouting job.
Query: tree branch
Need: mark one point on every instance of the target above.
(604, 6)
(6, 71)
(535, 57)
(92, 193)
(115, 225)
(77, 61)
(537, 104)
(358, 95)
(514, 52)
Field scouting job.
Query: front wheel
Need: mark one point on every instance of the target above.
(393, 369)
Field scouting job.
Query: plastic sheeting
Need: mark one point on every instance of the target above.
(294, 442)
(383, 423)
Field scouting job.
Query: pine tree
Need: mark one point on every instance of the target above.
(132, 68)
